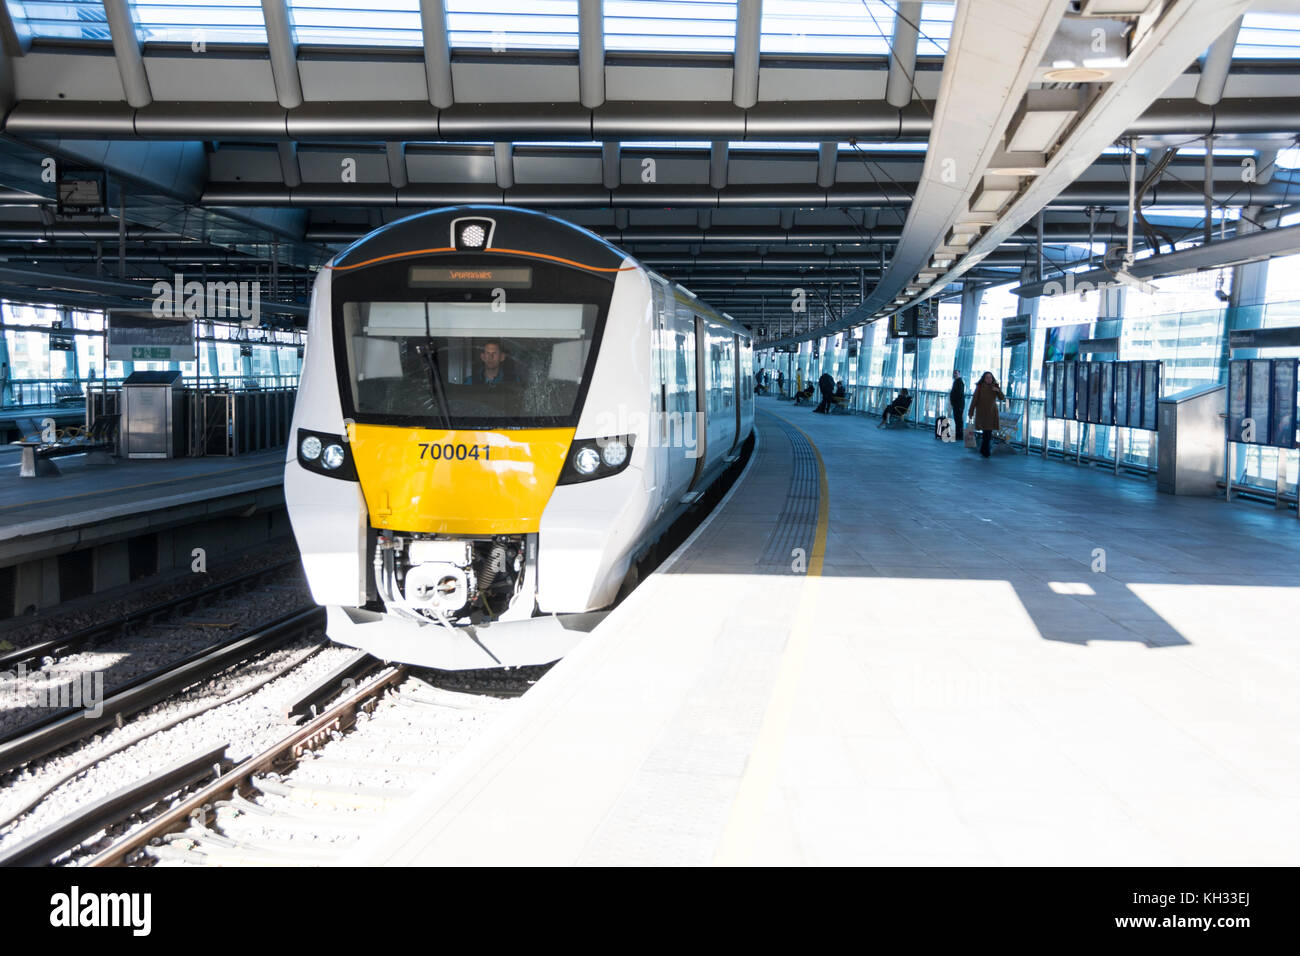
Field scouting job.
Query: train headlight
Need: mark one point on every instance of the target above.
(472, 236)
(310, 447)
(324, 454)
(592, 458)
(614, 453)
(333, 457)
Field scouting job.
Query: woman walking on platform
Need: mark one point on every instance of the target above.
(984, 409)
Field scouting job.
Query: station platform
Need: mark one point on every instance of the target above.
(89, 504)
(1002, 661)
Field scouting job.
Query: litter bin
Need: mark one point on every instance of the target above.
(153, 415)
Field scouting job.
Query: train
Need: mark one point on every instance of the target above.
(498, 415)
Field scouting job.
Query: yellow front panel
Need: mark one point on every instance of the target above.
(411, 487)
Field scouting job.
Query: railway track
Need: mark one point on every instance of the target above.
(305, 800)
(35, 740)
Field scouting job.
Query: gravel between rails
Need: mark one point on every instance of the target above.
(248, 724)
(341, 792)
(110, 665)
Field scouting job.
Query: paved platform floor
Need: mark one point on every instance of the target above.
(1003, 661)
(85, 494)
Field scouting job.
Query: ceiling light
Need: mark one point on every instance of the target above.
(1075, 74)
(1116, 8)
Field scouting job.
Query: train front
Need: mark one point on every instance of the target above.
(439, 436)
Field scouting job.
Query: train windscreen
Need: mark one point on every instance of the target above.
(457, 343)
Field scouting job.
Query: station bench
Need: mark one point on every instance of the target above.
(99, 443)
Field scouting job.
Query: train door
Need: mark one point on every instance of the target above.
(702, 392)
(738, 378)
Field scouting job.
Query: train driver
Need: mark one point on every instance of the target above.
(495, 367)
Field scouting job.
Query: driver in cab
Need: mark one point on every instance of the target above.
(494, 367)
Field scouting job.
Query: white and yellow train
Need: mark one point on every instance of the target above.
(498, 414)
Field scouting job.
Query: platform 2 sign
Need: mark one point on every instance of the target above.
(1125, 394)
(143, 337)
(1262, 402)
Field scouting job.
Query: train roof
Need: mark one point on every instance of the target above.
(514, 230)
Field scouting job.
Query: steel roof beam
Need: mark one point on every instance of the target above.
(900, 85)
(1240, 250)
(591, 53)
(283, 53)
(437, 53)
(744, 76)
(1215, 65)
(839, 120)
(663, 195)
(126, 48)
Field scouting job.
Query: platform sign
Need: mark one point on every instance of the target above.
(63, 342)
(143, 337)
(1015, 331)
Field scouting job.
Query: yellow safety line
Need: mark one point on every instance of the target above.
(744, 825)
(109, 491)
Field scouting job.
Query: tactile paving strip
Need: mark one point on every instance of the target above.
(796, 527)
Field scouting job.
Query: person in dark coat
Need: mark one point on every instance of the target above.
(957, 401)
(984, 409)
(780, 383)
(897, 408)
(826, 385)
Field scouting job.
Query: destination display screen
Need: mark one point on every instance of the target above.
(471, 277)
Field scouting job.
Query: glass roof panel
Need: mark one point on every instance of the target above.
(857, 27)
(64, 20)
(357, 22)
(677, 26)
(1272, 36)
(504, 25)
(209, 21)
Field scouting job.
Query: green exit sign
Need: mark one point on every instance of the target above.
(150, 353)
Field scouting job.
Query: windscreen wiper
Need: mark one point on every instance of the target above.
(428, 354)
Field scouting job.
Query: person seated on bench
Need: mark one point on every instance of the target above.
(803, 395)
(898, 408)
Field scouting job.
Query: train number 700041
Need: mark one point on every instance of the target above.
(449, 452)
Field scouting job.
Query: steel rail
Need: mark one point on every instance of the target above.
(69, 725)
(277, 757)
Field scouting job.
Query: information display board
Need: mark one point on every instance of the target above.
(1150, 395)
(1121, 394)
(1067, 407)
(1262, 402)
(1134, 372)
(1094, 393)
(140, 336)
(1107, 392)
(1126, 394)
